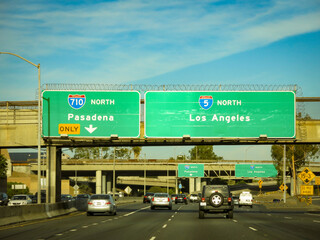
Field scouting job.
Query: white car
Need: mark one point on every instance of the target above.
(194, 198)
(21, 199)
(245, 199)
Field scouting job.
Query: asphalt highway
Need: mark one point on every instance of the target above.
(138, 221)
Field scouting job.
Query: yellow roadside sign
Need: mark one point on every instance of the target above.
(317, 181)
(282, 187)
(69, 128)
(260, 181)
(306, 190)
(306, 175)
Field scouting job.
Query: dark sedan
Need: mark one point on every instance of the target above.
(181, 198)
(147, 197)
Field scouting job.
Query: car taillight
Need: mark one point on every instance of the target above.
(108, 203)
(168, 199)
(229, 199)
(90, 203)
(152, 199)
(185, 198)
(203, 199)
(145, 196)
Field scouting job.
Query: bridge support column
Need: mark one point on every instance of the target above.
(98, 181)
(53, 193)
(198, 184)
(203, 183)
(191, 185)
(104, 183)
(109, 183)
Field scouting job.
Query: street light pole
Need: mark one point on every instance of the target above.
(284, 174)
(114, 172)
(39, 123)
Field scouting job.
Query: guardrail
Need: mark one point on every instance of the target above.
(15, 214)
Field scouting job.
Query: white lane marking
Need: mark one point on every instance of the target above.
(235, 220)
(253, 229)
(169, 219)
(316, 221)
(177, 212)
(73, 230)
(116, 218)
(85, 226)
(269, 214)
(164, 226)
(94, 224)
(172, 216)
(128, 214)
(153, 238)
(288, 217)
(59, 234)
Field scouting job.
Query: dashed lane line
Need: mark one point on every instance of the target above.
(316, 221)
(164, 226)
(128, 214)
(235, 220)
(288, 217)
(153, 238)
(253, 229)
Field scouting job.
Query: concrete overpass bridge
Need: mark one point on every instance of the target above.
(152, 172)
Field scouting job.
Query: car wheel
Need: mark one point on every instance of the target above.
(230, 214)
(216, 199)
(251, 206)
(89, 214)
(152, 208)
(201, 214)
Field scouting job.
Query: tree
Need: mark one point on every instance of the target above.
(85, 188)
(302, 155)
(203, 153)
(121, 153)
(3, 166)
(91, 153)
(136, 151)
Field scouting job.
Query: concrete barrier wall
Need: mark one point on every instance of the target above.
(15, 214)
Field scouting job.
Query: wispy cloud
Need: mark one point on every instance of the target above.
(121, 41)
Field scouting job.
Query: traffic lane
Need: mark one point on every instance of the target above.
(279, 224)
(187, 225)
(140, 224)
(46, 228)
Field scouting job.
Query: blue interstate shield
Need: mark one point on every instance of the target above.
(76, 101)
(206, 102)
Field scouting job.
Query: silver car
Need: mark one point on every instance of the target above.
(161, 200)
(101, 203)
(20, 199)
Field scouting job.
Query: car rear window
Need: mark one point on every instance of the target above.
(102, 197)
(161, 195)
(221, 189)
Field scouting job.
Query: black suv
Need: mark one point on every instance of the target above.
(216, 199)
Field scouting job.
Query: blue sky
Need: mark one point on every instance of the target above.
(159, 42)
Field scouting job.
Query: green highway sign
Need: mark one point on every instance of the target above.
(220, 114)
(91, 113)
(255, 170)
(190, 170)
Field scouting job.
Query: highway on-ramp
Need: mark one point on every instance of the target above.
(137, 221)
